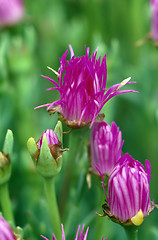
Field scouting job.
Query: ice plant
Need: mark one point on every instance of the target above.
(154, 20)
(47, 157)
(11, 12)
(47, 152)
(5, 173)
(106, 146)
(128, 200)
(82, 89)
(5, 155)
(5, 230)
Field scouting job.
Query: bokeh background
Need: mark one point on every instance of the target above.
(38, 41)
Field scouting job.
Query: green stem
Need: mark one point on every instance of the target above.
(76, 142)
(49, 185)
(131, 232)
(102, 223)
(6, 203)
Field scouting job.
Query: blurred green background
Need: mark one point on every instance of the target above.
(39, 41)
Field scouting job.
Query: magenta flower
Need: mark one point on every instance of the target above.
(5, 230)
(154, 21)
(82, 89)
(11, 12)
(106, 146)
(128, 191)
(128, 188)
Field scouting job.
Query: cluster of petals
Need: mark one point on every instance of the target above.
(106, 146)
(154, 20)
(128, 188)
(5, 230)
(51, 136)
(79, 234)
(82, 87)
(11, 12)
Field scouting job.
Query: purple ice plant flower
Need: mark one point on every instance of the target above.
(128, 188)
(11, 12)
(106, 146)
(128, 191)
(154, 20)
(82, 89)
(5, 230)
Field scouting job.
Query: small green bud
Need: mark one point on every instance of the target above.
(59, 131)
(5, 165)
(18, 233)
(50, 159)
(47, 152)
(33, 149)
(8, 143)
(5, 168)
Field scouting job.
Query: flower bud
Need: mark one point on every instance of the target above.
(8, 143)
(5, 166)
(129, 192)
(10, 12)
(106, 146)
(5, 230)
(47, 152)
(154, 21)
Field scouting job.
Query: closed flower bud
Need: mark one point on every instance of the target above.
(8, 143)
(154, 20)
(129, 192)
(5, 230)
(11, 12)
(47, 152)
(5, 165)
(5, 168)
(106, 146)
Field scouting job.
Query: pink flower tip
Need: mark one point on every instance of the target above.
(11, 12)
(51, 136)
(106, 146)
(5, 230)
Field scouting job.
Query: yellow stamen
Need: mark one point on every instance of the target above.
(138, 219)
(53, 71)
(124, 82)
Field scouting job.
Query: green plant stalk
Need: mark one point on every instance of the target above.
(76, 142)
(102, 223)
(49, 185)
(6, 203)
(131, 232)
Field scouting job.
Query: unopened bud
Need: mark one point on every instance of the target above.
(47, 152)
(8, 143)
(5, 165)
